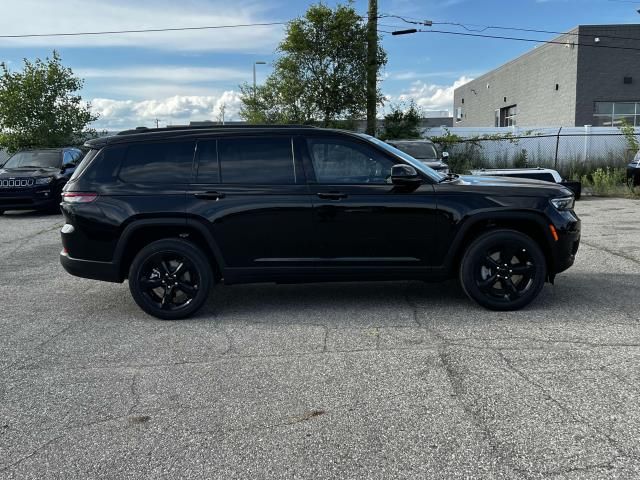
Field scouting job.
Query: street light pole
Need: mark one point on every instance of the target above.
(254, 76)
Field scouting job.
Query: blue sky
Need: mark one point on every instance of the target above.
(179, 76)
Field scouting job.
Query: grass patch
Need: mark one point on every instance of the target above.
(609, 182)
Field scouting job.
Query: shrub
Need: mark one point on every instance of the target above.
(606, 181)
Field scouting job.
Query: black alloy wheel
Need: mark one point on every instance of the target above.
(170, 279)
(503, 270)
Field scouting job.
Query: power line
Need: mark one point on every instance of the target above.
(533, 30)
(416, 21)
(145, 30)
(531, 40)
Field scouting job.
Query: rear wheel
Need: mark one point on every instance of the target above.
(170, 279)
(503, 270)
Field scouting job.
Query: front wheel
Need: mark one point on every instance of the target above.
(170, 279)
(503, 270)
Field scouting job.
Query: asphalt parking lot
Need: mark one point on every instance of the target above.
(366, 380)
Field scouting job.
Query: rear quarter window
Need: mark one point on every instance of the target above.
(86, 161)
(104, 166)
(159, 162)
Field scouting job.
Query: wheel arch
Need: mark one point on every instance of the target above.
(531, 224)
(140, 233)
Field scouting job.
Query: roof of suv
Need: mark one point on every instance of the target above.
(140, 134)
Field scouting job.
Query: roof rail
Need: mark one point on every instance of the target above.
(208, 127)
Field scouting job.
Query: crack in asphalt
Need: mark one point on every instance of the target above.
(27, 457)
(568, 411)
(610, 251)
(456, 387)
(23, 241)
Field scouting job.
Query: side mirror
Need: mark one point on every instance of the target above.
(445, 156)
(404, 175)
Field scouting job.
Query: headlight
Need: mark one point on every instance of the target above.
(563, 203)
(44, 180)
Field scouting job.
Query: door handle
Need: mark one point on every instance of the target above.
(332, 196)
(209, 195)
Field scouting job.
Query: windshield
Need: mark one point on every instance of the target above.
(417, 164)
(38, 159)
(419, 150)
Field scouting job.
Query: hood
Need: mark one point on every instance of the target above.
(433, 163)
(27, 172)
(514, 182)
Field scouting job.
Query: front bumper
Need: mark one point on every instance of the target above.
(105, 271)
(633, 174)
(28, 199)
(566, 247)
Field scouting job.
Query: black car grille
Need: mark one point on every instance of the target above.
(16, 182)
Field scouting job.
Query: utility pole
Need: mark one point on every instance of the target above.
(372, 67)
(254, 76)
(221, 111)
(157, 123)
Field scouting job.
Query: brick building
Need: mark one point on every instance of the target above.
(592, 77)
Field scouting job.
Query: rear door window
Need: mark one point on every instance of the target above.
(208, 168)
(256, 161)
(159, 162)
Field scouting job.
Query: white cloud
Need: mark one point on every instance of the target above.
(416, 75)
(155, 81)
(168, 73)
(431, 96)
(99, 15)
(178, 109)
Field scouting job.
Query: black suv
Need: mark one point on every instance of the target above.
(177, 210)
(33, 179)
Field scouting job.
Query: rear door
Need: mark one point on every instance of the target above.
(361, 218)
(251, 193)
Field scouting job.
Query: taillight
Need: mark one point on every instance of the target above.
(79, 197)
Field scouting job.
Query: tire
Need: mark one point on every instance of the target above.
(170, 279)
(486, 279)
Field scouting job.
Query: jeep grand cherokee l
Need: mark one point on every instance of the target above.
(33, 179)
(175, 211)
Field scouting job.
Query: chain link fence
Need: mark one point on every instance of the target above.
(573, 152)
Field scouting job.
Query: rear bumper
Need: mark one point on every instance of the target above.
(105, 271)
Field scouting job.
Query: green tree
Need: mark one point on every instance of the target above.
(40, 107)
(320, 75)
(403, 121)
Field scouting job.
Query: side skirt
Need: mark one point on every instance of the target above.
(331, 274)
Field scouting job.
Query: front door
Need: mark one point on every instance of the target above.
(360, 217)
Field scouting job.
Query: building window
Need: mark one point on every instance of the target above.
(506, 117)
(459, 114)
(614, 114)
